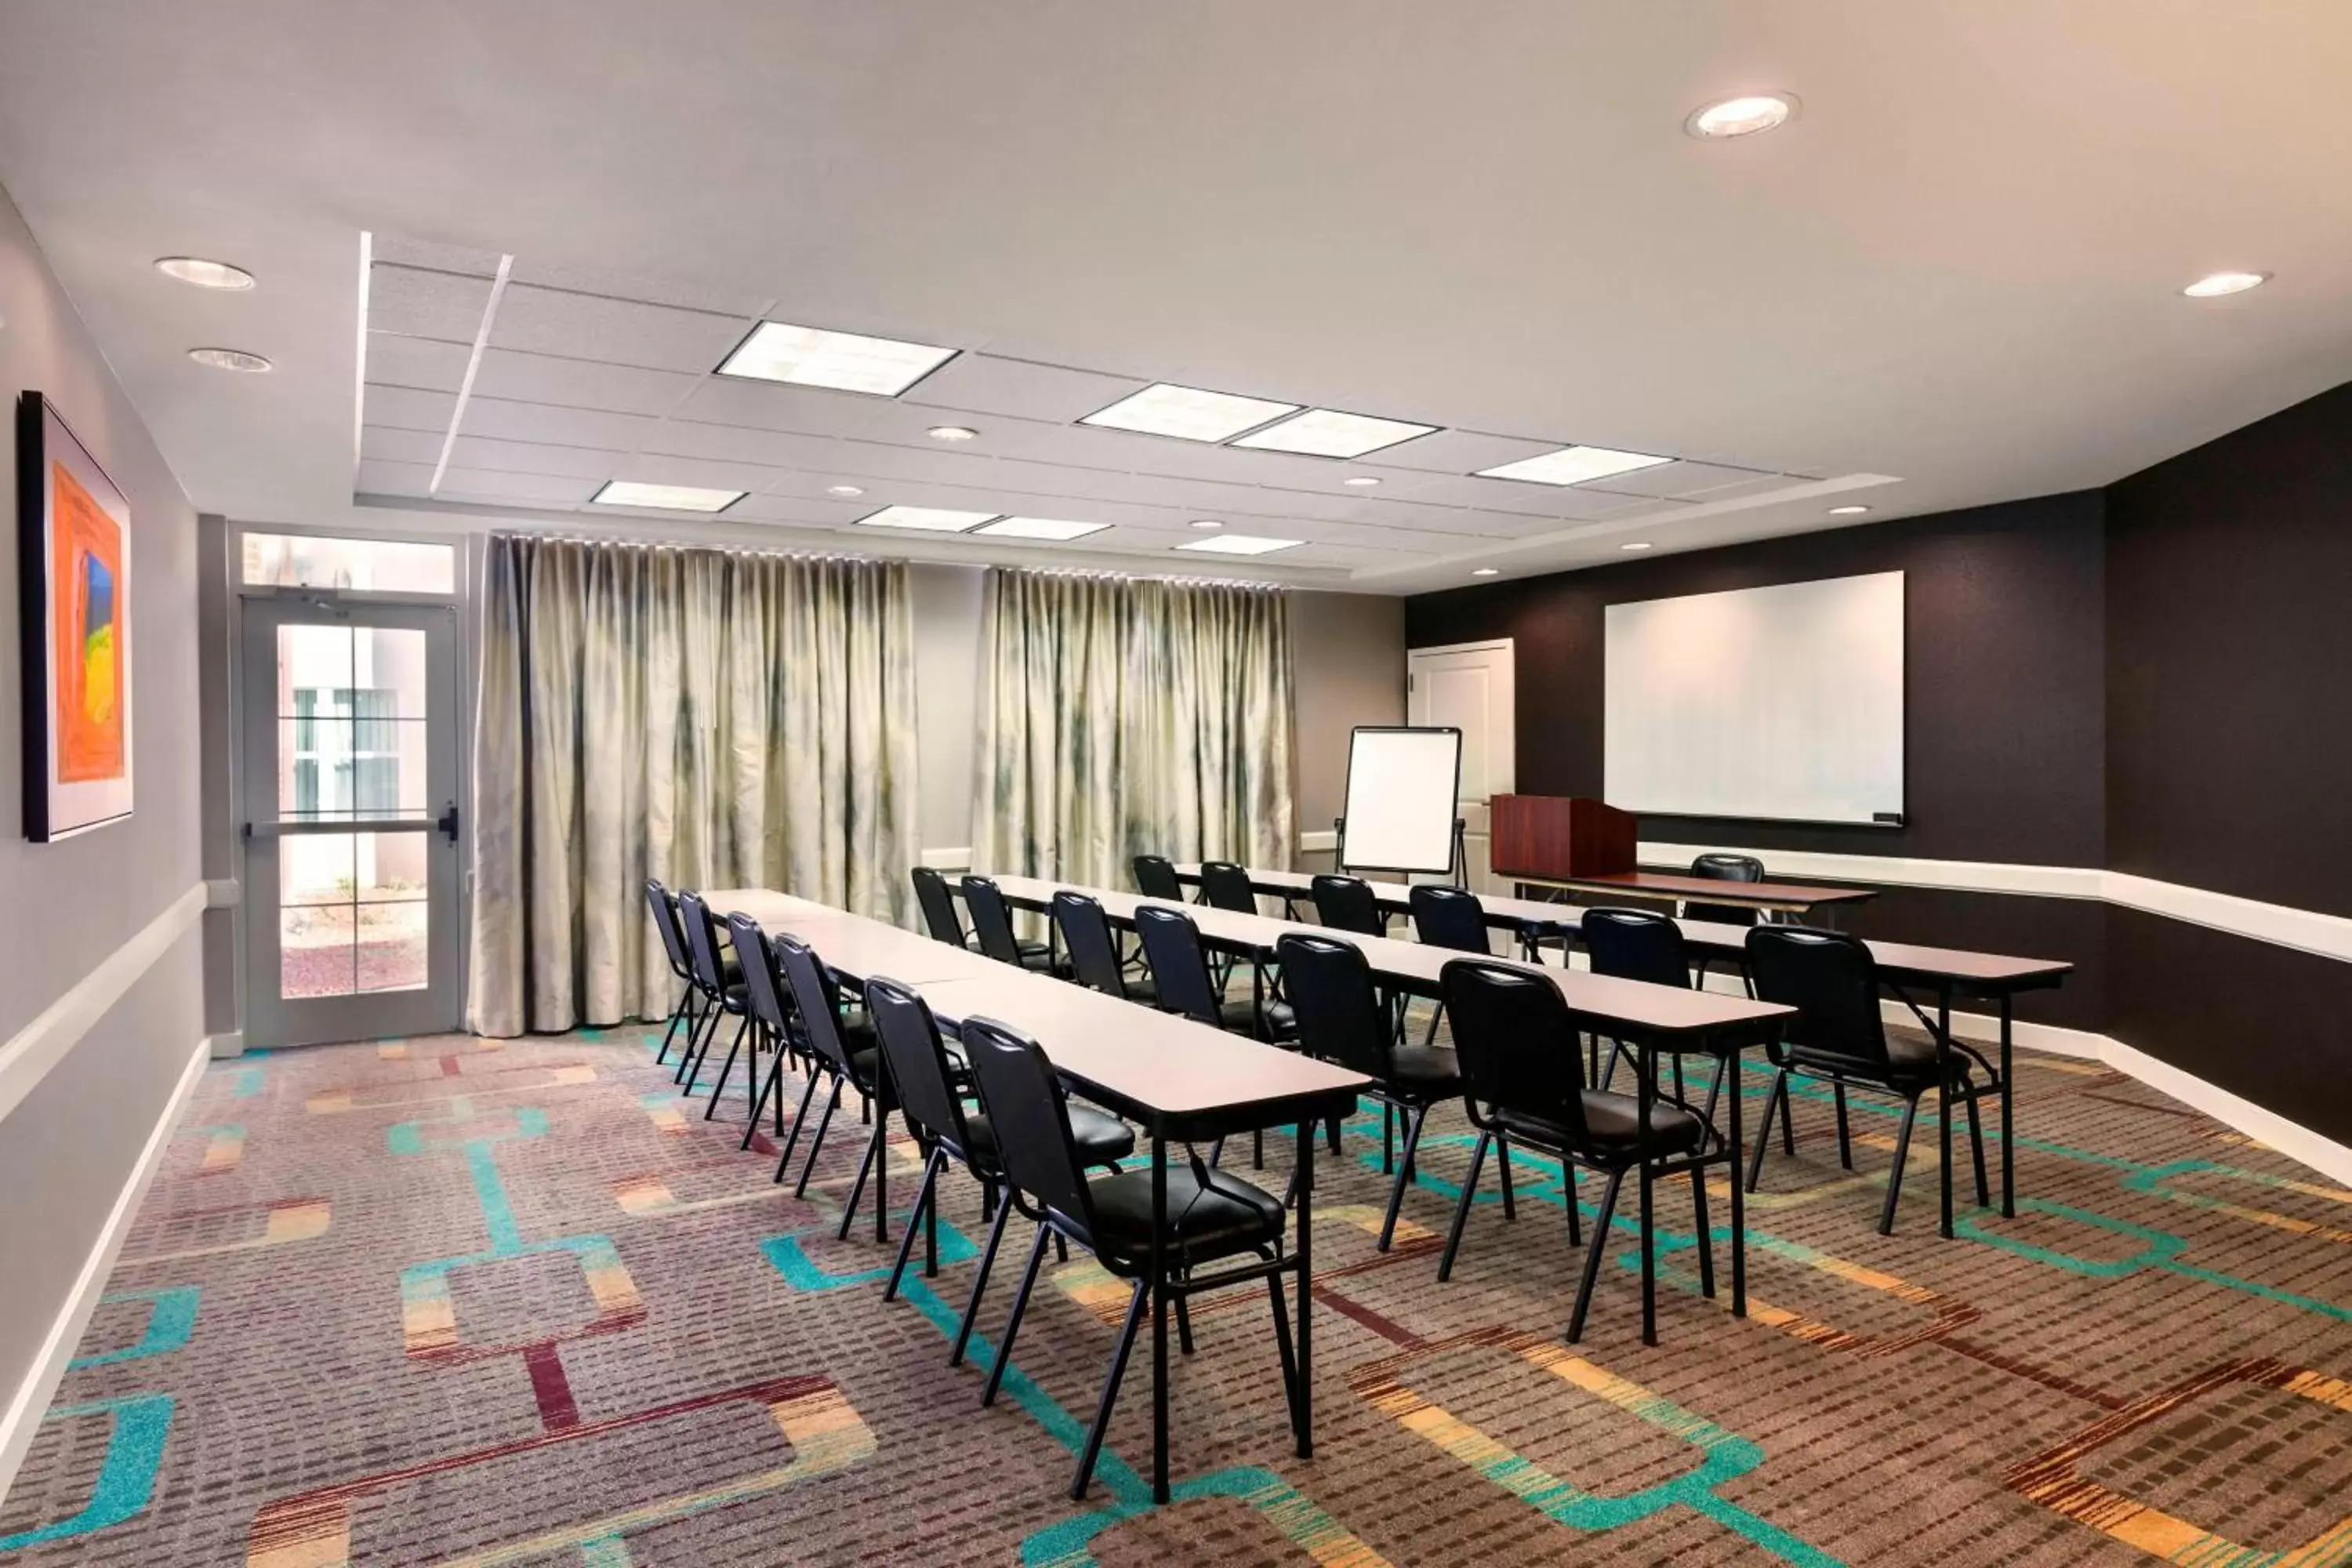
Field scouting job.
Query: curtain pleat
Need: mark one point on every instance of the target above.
(1121, 716)
(707, 718)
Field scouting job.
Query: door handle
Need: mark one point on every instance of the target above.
(448, 822)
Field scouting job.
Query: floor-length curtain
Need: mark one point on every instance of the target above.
(710, 718)
(1123, 716)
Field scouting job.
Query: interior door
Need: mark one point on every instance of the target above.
(350, 781)
(1470, 687)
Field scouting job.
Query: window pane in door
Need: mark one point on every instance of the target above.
(316, 949)
(380, 565)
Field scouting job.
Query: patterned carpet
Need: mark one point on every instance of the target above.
(451, 1301)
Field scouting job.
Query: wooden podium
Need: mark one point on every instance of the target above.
(1544, 837)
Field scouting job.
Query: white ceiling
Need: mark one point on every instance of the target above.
(1959, 265)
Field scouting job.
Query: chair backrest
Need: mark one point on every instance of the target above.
(1516, 1040)
(1155, 878)
(1085, 937)
(1225, 886)
(1637, 944)
(760, 990)
(814, 998)
(664, 905)
(1180, 970)
(1340, 1017)
(1028, 1119)
(1832, 981)
(916, 1059)
(939, 906)
(1346, 903)
(701, 944)
(1725, 869)
(1449, 917)
(991, 919)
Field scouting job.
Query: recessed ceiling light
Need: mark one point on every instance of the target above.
(1362, 481)
(1328, 433)
(1573, 466)
(845, 492)
(807, 356)
(1636, 544)
(1187, 413)
(229, 358)
(666, 498)
(1041, 528)
(204, 274)
(1241, 544)
(952, 433)
(1848, 511)
(927, 519)
(1483, 570)
(1742, 116)
(2215, 285)
(1206, 523)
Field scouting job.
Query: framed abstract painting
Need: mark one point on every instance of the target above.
(73, 575)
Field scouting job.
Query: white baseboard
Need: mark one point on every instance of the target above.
(30, 1401)
(1325, 842)
(220, 1048)
(954, 860)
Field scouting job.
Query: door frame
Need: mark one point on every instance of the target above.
(1509, 756)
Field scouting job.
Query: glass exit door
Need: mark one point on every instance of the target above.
(350, 774)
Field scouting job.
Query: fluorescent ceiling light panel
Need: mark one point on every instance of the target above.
(1241, 544)
(666, 498)
(927, 519)
(1041, 528)
(808, 356)
(1328, 433)
(1187, 413)
(1573, 466)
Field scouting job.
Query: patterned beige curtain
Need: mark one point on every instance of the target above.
(713, 719)
(1122, 716)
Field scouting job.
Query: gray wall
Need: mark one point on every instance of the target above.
(1346, 668)
(69, 1148)
(947, 605)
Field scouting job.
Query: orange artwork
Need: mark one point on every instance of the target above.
(86, 621)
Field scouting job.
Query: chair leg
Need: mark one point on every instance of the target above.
(729, 1067)
(1567, 1191)
(1387, 1139)
(1649, 1263)
(980, 1283)
(1788, 1123)
(1503, 1167)
(874, 1157)
(1705, 1231)
(1396, 1187)
(689, 1063)
(1845, 1142)
(1764, 1133)
(1020, 1305)
(914, 1221)
(1461, 1207)
(772, 1085)
(1608, 1074)
(1895, 1177)
(1184, 1325)
(1331, 1134)
(1257, 1149)
(1975, 1152)
(1118, 1354)
(1282, 1338)
(676, 1015)
(1436, 1014)
(1715, 1093)
(1594, 1256)
(800, 1119)
(800, 1189)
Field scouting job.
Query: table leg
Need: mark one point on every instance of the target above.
(1306, 1290)
(2008, 1114)
(1739, 1172)
(1944, 1101)
(1159, 1317)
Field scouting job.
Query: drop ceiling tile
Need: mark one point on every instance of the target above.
(616, 332)
(405, 408)
(543, 490)
(800, 410)
(1457, 452)
(1510, 496)
(578, 383)
(705, 472)
(1762, 484)
(420, 304)
(934, 465)
(532, 457)
(1204, 497)
(648, 290)
(685, 439)
(392, 249)
(983, 383)
(1045, 478)
(427, 363)
(388, 479)
(508, 421)
(400, 446)
(803, 510)
(1674, 480)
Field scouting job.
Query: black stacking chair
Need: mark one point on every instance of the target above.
(1093, 949)
(1155, 878)
(1524, 1078)
(1840, 1036)
(938, 907)
(723, 996)
(846, 1053)
(991, 923)
(664, 905)
(1347, 903)
(772, 1018)
(1180, 981)
(1645, 945)
(1226, 886)
(1725, 869)
(1448, 917)
(1341, 1019)
(927, 1078)
(1212, 1218)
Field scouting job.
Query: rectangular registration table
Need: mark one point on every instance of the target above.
(1182, 1081)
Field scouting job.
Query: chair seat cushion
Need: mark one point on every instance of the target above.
(1609, 1122)
(1911, 1058)
(1429, 1070)
(1037, 955)
(1102, 1138)
(1239, 1016)
(1227, 1216)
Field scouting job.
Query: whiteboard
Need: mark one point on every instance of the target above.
(1403, 785)
(1781, 703)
